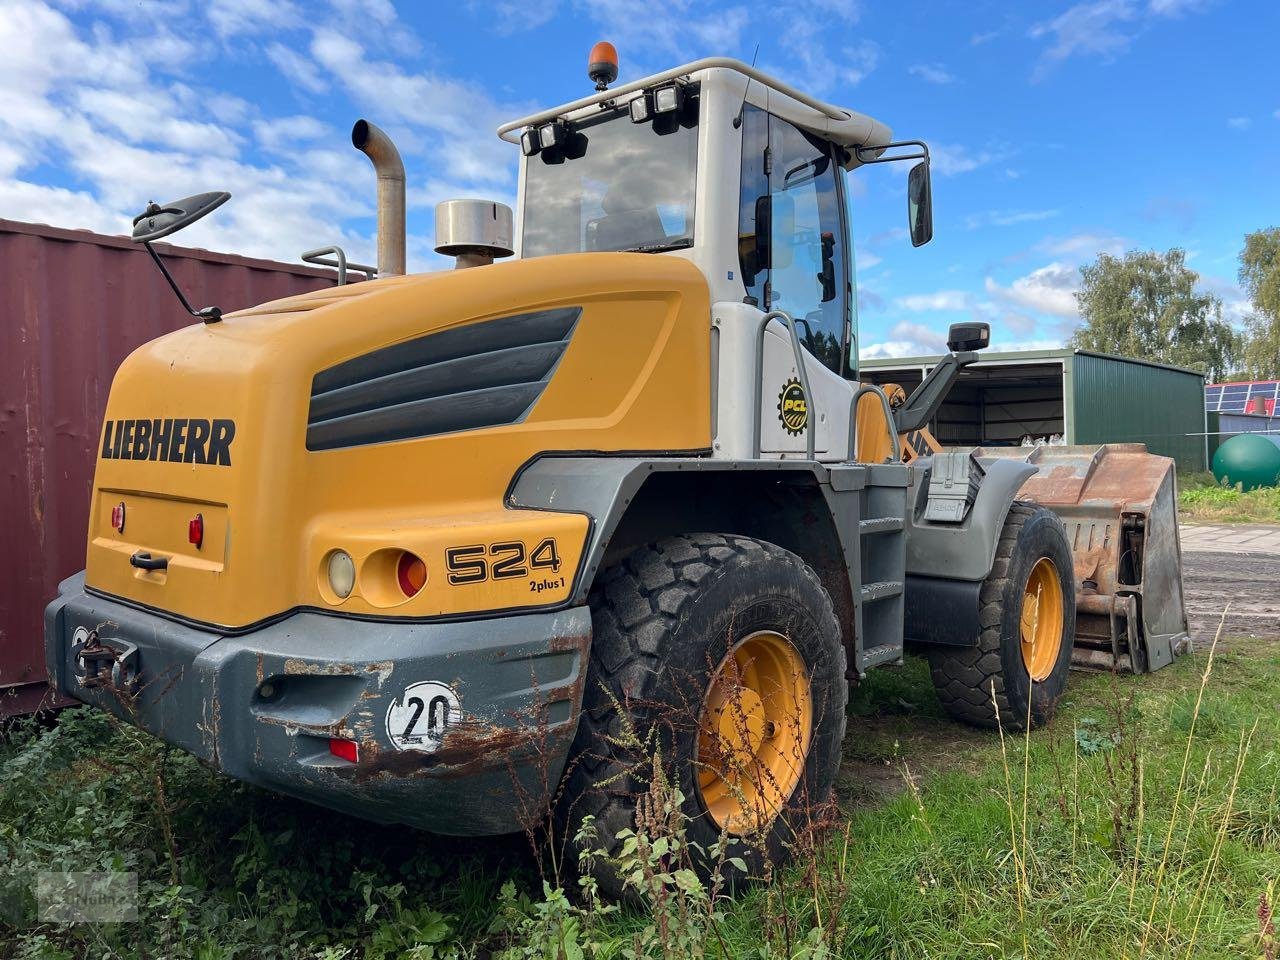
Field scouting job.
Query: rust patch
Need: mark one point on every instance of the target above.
(475, 746)
(297, 667)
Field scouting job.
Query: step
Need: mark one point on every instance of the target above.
(876, 656)
(881, 590)
(880, 525)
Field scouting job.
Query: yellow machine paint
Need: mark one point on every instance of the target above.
(634, 377)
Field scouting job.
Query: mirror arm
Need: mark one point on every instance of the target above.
(925, 401)
(876, 154)
(208, 314)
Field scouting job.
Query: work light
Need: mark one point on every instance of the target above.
(668, 99)
(641, 108)
(529, 143)
(553, 134)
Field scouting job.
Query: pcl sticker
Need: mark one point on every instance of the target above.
(418, 719)
(793, 407)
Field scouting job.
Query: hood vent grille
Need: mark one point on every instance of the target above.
(483, 374)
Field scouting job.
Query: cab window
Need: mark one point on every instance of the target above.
(791, 233)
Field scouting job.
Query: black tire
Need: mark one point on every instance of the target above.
(664, 619)
(964, 676)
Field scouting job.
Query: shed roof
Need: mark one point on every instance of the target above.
(894, 363)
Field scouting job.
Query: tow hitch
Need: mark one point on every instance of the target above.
(98, 664)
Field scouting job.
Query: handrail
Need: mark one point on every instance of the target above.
(706, 63)
(895, 444)
(319, 257)
(790, 322)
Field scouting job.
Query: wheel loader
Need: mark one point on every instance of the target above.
(459, 549)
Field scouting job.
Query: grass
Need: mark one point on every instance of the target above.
(1147, 825)
(1202, 498)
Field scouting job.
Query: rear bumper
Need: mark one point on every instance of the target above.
(496, 701)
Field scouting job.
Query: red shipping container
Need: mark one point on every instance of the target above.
(73, 305)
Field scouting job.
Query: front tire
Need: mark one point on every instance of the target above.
(1028, 620)
(723, 656)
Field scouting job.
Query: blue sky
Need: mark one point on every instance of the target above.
(1059, 130)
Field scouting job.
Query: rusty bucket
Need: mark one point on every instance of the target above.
(1119, 506)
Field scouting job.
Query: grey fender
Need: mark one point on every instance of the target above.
(603, 487)
(965, 550)
(947, 562)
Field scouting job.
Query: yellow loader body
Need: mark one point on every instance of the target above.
(220, 420)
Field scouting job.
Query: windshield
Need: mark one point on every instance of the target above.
(615, 185)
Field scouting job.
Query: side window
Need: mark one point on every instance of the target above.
(790, 189)
(809, 275)
(753, 196)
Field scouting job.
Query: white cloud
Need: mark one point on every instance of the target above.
(1239, 123)
(148, 117)
(95, 103)
(1101, 28)
(289, 134)
(516, 16)
(58, 207)
(951, 159)
(1176, 8)
(866, 260)
(931, 72)
(810, 65)
(661, 29)
(1007, 218)
(906, 339)
(452, 119)
(1235, 303)
(1080, 247)
(978, 39)
(234, 17)
(1050, 289)
(1086, 28)
(940, 300)
(297, 68)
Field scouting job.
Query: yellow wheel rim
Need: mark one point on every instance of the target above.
(754, 732)
(1041, 620)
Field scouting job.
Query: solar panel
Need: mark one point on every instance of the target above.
(1260, 397)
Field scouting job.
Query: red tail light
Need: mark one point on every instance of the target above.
(195, 530)
(345, 749)
(411, 573)
(117, 517)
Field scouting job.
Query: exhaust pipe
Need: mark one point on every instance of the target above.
(384, 156)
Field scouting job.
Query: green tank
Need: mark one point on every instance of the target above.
(1247, 460)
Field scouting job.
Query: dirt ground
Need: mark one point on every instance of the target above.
(1249, 582)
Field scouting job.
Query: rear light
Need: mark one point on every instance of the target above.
(117, 517)
(347, 750)
(342, 574)
(195, 530)
(411, 574)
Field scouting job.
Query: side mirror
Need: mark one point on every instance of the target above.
(965, 337)
(157, 221)
(920, 204)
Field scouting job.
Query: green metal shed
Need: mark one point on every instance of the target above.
(1084, 397)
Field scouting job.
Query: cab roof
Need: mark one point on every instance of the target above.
(846, 127)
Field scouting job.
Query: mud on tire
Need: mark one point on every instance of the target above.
(964, 676)
(664, 618)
